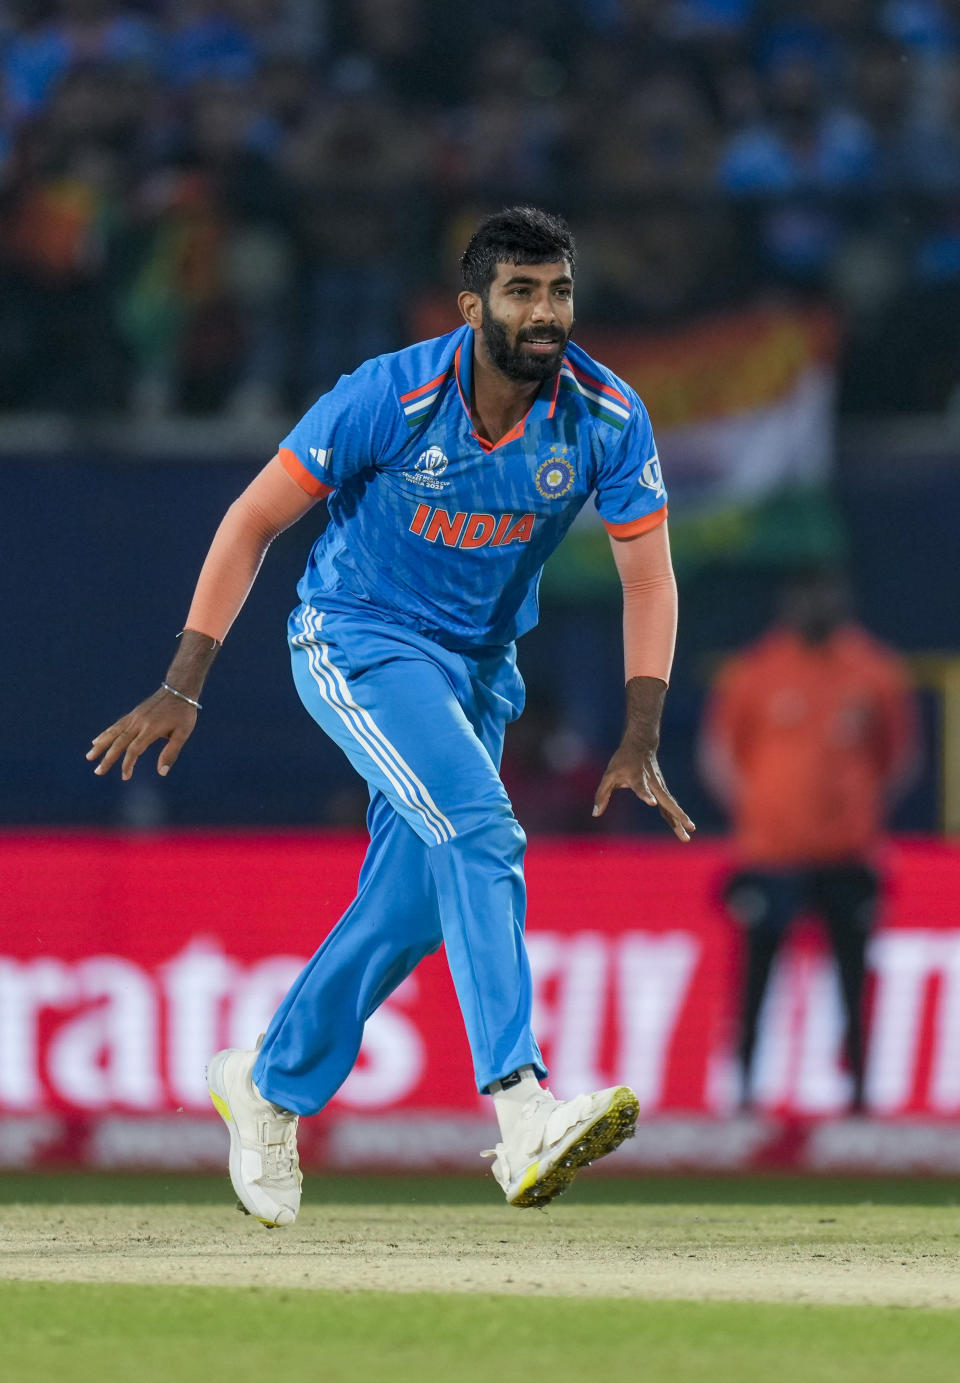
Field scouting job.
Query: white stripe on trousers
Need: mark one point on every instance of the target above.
(364, 729)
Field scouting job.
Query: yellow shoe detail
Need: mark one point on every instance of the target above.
(599, 1138)
(529, 1179)
(221, 1106)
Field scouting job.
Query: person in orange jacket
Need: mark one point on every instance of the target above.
(808, 737)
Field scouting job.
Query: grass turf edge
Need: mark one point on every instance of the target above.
(76, 1332)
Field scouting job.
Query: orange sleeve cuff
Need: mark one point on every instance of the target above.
(297, 471)
(636, 526)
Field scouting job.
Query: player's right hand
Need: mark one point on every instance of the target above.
(161, 716)
(636, 767)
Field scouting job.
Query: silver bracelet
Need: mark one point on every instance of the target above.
(183, 697)
(216, 642)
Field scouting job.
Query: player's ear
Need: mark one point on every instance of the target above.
(471, 307)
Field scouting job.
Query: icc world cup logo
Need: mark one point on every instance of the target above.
(432, 461)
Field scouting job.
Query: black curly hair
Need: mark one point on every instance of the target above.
(516, 235)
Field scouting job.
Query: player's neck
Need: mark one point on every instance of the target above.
(498, 403)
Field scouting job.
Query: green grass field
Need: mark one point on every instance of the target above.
(67, 1331)
(77, 1332)
(179, 1188)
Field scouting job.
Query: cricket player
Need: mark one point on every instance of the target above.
(451, 471)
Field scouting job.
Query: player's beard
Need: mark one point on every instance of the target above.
(509, 357)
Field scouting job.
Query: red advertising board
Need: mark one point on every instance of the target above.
(125, 961)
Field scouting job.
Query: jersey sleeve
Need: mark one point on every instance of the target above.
(631, 497)
(347, 430)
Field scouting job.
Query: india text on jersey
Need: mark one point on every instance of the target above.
(471, 530)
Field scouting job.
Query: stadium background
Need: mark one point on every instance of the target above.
(210, 210)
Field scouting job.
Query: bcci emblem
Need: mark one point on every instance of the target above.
(433, 462)
(555, 477)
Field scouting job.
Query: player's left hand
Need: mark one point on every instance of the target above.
(638, 770)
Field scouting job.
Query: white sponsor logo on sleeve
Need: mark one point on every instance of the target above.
(651, 478)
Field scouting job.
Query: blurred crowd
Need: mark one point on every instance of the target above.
(222, 204)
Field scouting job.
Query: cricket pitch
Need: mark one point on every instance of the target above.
(885, 1255)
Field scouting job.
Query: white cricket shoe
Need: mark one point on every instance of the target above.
(555, 1138)
(264, 1164)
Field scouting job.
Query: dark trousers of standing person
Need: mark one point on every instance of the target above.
(765, 903)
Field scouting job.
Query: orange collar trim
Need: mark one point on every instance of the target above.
(518, 429)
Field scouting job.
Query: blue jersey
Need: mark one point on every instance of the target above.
(435, 528)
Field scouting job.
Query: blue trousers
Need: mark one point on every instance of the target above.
(424, 726)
